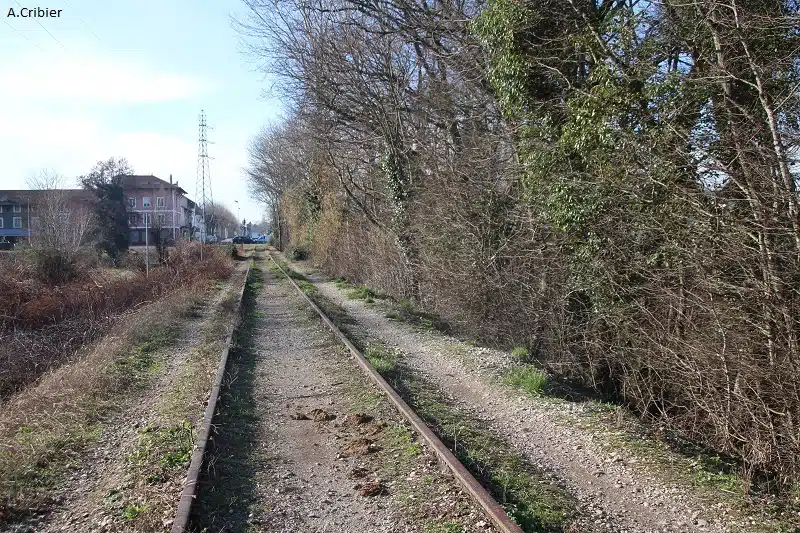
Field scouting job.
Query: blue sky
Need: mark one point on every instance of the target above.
(128, 79)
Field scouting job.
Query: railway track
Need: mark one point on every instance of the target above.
(289, 369)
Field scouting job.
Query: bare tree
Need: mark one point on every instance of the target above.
(63, 218)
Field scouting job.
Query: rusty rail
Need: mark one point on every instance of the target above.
(181, 520)
(493, 509)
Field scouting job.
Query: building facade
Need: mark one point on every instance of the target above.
(15, 214)
(155, 205)
(20, 210)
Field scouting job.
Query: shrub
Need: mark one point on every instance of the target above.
(40, 327)
(298, 254)
(54, 266)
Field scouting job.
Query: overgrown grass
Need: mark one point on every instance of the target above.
(379, 357)
(233, 453)
(164, 447)
(44, 430)
(528, 494)
(527, 378)
(142, 360)
(521, 353)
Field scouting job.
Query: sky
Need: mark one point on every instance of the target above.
(113, 78)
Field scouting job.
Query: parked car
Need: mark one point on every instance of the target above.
(261, 239)
(242, 239)
(226, 241)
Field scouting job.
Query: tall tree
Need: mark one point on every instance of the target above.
(105, 181)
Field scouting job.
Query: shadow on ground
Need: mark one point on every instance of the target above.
(225, 492)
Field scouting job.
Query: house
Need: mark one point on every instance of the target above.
(152, 203)
(19, 210)
(159, 205)
(14, 215)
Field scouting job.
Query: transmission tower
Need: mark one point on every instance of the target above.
(202, 190)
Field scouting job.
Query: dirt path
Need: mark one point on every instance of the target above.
(619, 489)
(92, 498)
(305, 443)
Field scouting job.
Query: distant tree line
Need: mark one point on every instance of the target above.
(610, 183)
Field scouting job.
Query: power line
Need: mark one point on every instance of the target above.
(23, 35)
(45, 29)
(80, 19)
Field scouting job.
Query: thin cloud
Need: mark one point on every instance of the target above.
(69, 78)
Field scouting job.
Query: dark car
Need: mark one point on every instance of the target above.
(242, 239)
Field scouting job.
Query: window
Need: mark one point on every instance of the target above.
(1, 222)
(160, 201)
(1, 208)
(134, 236)
(133, 219)
(17, 208)
(132, 201)
(161, 220)
(148, 219)
(17, 222)
(147, 201)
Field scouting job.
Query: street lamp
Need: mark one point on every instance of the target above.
(238, 215)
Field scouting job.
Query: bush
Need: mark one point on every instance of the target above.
(40, 327)
(298, 254)
(54, 266)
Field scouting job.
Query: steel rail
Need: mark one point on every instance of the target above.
(181, 520)
(492, 508)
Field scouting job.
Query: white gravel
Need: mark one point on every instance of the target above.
(614, 486)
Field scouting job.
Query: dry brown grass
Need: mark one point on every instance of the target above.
(41, 325)
(42, 429)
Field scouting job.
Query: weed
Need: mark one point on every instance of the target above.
(402, 440)
(383, 361)
(133, 510)
(307, 287)
(393, 315)
(167, 447)
(426, 323)
(528, 378)
(521, 353)
(141, 360)
(362, 293)
(527, 494)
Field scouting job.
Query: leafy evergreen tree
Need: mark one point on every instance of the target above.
(112, 234)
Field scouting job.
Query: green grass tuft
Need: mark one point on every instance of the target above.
(383, 361)
(528, 378)
(526, 493)
(133, 510)
(521, 353)
(361, 293)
